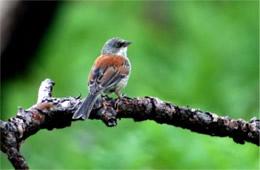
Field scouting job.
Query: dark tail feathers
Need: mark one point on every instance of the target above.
(86, 107)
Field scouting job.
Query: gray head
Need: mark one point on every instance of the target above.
(116, 46)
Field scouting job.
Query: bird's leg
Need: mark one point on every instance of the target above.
(104, 96)
(120, 95)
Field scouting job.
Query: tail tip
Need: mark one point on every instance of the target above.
(76, 116)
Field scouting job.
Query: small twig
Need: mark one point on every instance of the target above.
(45, 90)
(50, 113)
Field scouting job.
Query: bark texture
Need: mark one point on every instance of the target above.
(49, 113)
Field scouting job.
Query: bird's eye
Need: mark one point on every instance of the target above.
(118, 44)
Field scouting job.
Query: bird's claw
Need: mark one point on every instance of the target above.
(120, 96)
(79, 96)
(104, 96)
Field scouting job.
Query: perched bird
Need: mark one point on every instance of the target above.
(109, 74)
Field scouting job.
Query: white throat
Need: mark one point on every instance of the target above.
(122, 52)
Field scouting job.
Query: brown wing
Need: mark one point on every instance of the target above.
(106, 72)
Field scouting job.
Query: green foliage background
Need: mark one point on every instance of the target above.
(201, 54)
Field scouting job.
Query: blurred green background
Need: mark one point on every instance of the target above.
(200, 54)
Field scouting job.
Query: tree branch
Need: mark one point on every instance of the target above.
(50, 113)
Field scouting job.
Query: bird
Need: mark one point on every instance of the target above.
(109, 73)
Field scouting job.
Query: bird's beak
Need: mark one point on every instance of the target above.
(127, 43)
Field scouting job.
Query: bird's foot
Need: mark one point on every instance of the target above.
(123, 95)
(104, 96)
(120, 96)
(79, 96)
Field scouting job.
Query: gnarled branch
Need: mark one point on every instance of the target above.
(50, 113)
